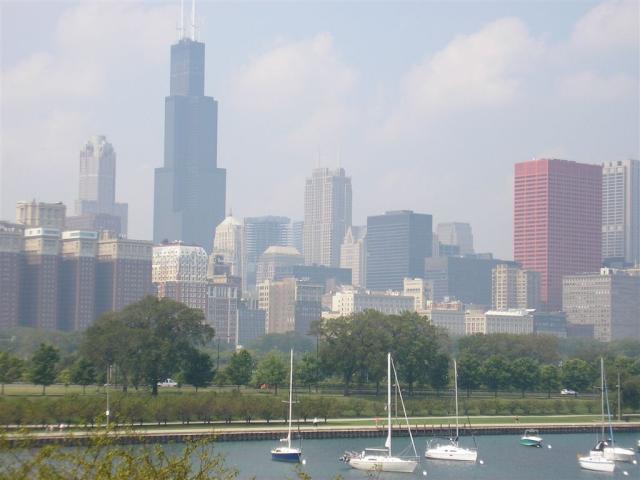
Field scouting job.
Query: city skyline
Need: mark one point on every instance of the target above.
(397, 170)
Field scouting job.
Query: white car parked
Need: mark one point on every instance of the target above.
(567, 391)
(168, 383)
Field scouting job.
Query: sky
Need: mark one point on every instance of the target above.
(427, 105)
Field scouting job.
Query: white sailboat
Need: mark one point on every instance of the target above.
(288, 453)
(382, 459)
(452, 450)
(596, 460)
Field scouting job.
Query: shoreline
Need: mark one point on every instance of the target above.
(179, 435)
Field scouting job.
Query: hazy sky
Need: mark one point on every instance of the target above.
(427, 105)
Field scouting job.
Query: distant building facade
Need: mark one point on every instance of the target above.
(353, 254)
(276, 257)
(329, 277)
(513, 287)
(11, 245)
(228, 242)
(251, 323)
(179, 272)
(398, 243)
(621, 211)
(468, 279)
(289, 305)
(349, 300)
(447, 315)
(421, 290)
(557, 222)
(123, 272)
(608, 300)
(550, 323)
(516, 321)
(455, 237)
(96, 207)
(224, 295)
(260, 233)
(41, 214)
(77, 281)
(327, 215)
(190, 189)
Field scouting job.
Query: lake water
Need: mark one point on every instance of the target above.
(503, 459)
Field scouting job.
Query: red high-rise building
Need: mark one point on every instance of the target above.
(557, 222)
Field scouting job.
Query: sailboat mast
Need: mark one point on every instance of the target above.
(388, 445)
(455, 375)
(602, 392)
(290, 397)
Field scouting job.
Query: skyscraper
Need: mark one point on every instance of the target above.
(41, 215)
(513, 287)
(557, 222)
(398, 243)
(353, 254)
(11, 241)
(261, 233)
(96, 207)
(327, 215)
(455, 234)
(621, 211)
(228, 244)
(190, 189)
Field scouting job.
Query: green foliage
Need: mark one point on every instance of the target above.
(147, 340)
(307, 370)
(543, 348)
(631, 393)
(549, 378)
(10, 369)
(524, 374)
(23, 342)
(577, 374)
(240, 367)
(42, 370)
(83, 373)
(357, 346)
(495, 373)
(469, 372)
(106, 458)
(196, 369)
(283, 343)
(271, 370)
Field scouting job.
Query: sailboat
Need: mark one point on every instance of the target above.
(288, 453)
(382, 459)
(452, 450)
(596, 459)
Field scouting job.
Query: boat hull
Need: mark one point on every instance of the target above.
(619, 454)
(383, 464)
(292, 455)
(531, 442)
(597, 464)
(450, 452)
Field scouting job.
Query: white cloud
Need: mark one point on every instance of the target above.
(302, 86)
(609, 25)
(594, 87)
(480, 70)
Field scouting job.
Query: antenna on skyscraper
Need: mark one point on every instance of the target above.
(181, 19)
(193, 20)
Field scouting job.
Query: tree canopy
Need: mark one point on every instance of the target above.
(147, 340)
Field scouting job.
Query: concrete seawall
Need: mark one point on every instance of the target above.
(247, 434)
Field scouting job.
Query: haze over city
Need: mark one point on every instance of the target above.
(427, 105)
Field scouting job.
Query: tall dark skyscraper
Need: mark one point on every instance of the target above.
(190, 188)
(397, 244)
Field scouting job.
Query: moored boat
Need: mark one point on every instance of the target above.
(288, 453)
(531, 438)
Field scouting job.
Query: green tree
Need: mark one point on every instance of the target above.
(439, 373)
(240, 367)
(577, 374)
(197, 369)
(495, 373)
(549, 378)
(338, 352)
(271, 370)
(10, 369)
(42, 370)
(469, 372)
(146, 340)
(631, 393)
(307, 370)
(524, 374)
(83, 373)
